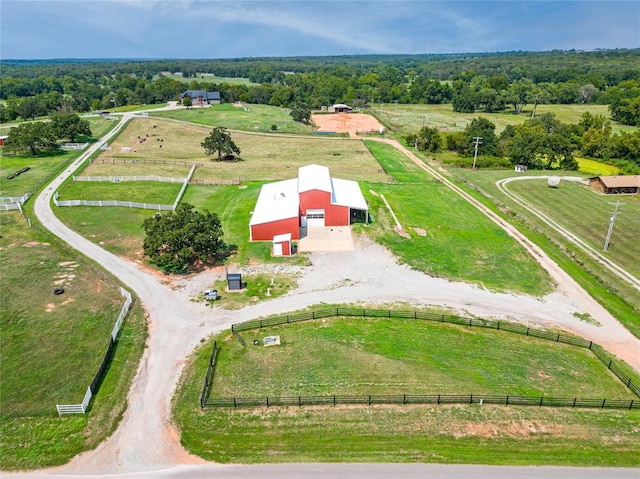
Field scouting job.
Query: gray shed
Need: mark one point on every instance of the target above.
(234, 281)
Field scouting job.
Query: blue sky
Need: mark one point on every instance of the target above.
(38, 29)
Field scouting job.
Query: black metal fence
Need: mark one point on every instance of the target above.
(422, 399)
(210, 373)
(600, 353)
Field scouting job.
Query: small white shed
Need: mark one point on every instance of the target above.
(282, 245)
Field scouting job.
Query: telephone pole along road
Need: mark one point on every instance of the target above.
(146, 440)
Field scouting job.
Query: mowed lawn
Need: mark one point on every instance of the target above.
(405, 118)
(364, 356)
(587, 214)
(51, 347)
(249, 117)
(445, 235)
(617, 296)
(152, 192)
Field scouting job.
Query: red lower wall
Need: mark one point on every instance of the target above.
(266, 231)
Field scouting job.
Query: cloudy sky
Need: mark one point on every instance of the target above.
(33, 29)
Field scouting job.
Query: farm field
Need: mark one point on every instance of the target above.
(403, 119)
(209, 78)
(385, 356)
(263, 157)
(596, 168)
(451, 235)
(249, 117)
(42, 168)
(52, 346)
(620, 298)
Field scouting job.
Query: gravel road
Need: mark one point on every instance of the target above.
(146, 439)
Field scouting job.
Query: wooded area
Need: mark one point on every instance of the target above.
(492, 82)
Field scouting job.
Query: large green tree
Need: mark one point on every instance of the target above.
(219, 141)
(541, 143)
(69, 125)
(301, 113)
(31, 139)
(427, 139)
(178, 239)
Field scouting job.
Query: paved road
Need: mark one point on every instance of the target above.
(361, 471)
(146, 444)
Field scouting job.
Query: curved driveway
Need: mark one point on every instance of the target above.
(146, 443)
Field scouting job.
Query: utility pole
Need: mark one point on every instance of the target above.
(615, 213)
(477, 140)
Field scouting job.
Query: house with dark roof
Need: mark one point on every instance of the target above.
(201, 97)
(616, 185)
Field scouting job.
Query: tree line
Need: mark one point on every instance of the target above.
(541, 143)
(470, 82)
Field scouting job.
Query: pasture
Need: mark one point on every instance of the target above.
(42, 168)
(52, 346)
(378, 356)
(442, 231)
(249, 117)
(263, 156)
(620, 298)
(445, 235)
(136, 191)
(208, 78)
(404, 119)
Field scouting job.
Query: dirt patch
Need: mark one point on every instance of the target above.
(351, 123)
(511, 429)
(50, 307)
(420, 231)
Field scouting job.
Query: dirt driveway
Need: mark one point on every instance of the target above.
(351, 123)
(146, 439)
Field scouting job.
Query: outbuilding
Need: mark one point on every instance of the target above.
(282, 245)
(314, 199)
(2, 139)
(616, 185)
(340, 108)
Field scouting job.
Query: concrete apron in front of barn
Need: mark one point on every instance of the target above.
(329, 238)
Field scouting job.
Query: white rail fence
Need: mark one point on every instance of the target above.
(8, 203)
(82, 407)
(74, 146)
(127, 204)
(118, 179)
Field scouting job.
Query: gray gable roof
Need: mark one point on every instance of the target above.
(207, 95)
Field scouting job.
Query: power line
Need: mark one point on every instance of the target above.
(477, 140)
(615, 213)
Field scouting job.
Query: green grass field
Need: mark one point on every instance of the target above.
(43, 168)
(403, 119)
(596, 168)
(620, 298)
(256, 118)
(586, 214)
(210, 78)
(136, 191)
(52, 346)
(453, 230)
(447, 236)
(349, 356)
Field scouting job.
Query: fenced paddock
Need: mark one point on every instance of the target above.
(541, 400)
(128, 204)
(118, 179)
(113, 337)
